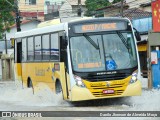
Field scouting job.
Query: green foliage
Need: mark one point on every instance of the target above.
(93, 5)
(6, 17)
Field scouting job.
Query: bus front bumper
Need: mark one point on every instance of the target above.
(81, 94)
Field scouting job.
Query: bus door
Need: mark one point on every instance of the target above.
(18, 59)
(64, 60)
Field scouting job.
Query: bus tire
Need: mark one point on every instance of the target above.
(58, 87)
(30, 84)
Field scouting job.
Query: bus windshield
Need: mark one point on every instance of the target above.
(103, 52)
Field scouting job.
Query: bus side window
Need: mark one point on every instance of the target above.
(45, 47)
(38, 48)
(54, 47)
(15, 51)
(19, 52)
(30, 51)
(24, 50)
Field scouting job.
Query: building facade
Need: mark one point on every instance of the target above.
(31, 9)
(71, 9)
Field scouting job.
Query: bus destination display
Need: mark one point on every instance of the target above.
(97, 27)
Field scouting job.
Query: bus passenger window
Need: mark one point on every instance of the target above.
(24, 50)
(54, 47)
(38, 48)
(30, 49)
(45, 47)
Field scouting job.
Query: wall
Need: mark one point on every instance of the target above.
(68, 10)
(52, 2)
(65, 10)
(148, 9)
(7, 66)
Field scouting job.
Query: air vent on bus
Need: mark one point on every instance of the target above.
(118, 76)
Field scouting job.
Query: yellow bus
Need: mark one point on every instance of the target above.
(87, 59)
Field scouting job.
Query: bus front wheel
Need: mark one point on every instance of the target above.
(58, 87)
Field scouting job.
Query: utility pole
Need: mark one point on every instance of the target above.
(5, 43)
(18, 24)
(121, 11)
(79, 12)
(17, 14)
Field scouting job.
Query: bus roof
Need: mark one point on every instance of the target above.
(42, 30)
(61, 26)
(48, 23)
(98, 19)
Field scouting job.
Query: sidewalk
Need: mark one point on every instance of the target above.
(144, 82)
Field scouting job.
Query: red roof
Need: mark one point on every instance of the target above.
(31, 14)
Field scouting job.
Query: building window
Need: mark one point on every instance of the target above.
(30, 2)
(47, 3)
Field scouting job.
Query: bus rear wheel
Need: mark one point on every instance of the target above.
(58, 88)
(30, 85)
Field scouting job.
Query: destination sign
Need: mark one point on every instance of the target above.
(90, 65)
(97, 27)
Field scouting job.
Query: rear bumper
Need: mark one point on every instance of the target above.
(80, 94)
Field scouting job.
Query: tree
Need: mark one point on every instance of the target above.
(93, 5)
(6, 16)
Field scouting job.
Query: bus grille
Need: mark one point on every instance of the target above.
(97, 91)
(100, 94)
(95, 78)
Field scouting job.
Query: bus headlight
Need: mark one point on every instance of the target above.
(79, 81)
(133, 78)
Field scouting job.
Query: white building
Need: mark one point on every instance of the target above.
(70, 8)
(52, 4)
(25, 25)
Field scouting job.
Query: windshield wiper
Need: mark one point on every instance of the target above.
(123, 39)
(91, 41)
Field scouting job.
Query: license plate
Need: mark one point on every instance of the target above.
(108, 91)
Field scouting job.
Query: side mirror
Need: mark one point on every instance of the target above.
(137, 35)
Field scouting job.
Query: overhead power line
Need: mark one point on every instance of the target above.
(9, 3)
